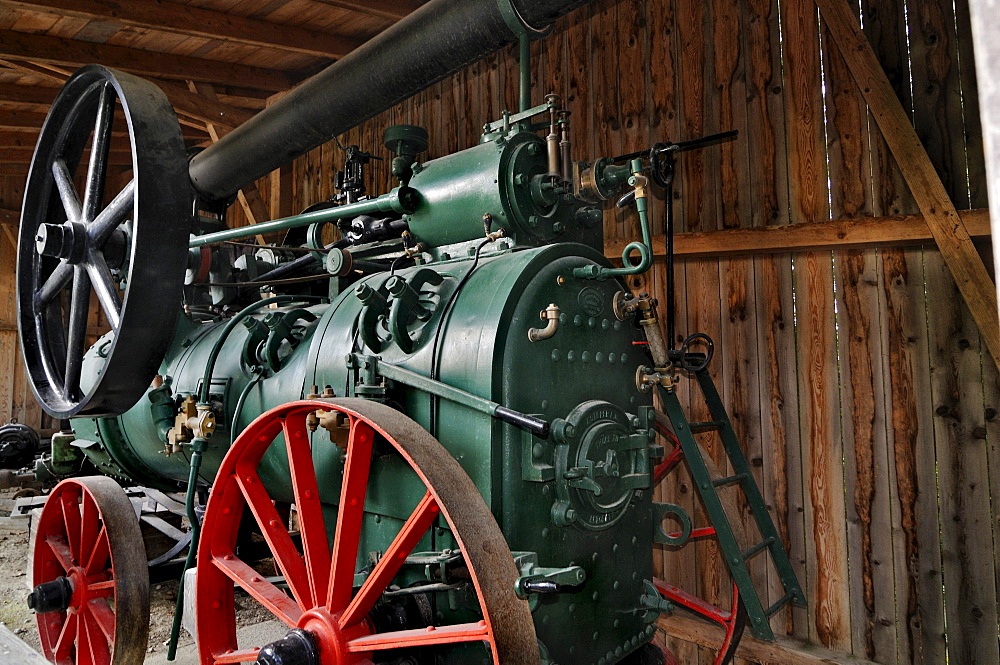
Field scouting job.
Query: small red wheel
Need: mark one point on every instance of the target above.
(329, 622)
(91, 586)
(733, 619)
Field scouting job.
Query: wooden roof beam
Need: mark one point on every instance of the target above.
(391, 9)
(43, 48)
(925, 184)
(187, 20)
(193, 110)
(26, 94)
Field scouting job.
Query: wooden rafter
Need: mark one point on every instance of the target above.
(248, 196)
(193, 110)
(26, 94)
(393, 9)
(9, 217)
(187, 20)
(925, 184)
(15, 120)
(897, 230)
(43, 48)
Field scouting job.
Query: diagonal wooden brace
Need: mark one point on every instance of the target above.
(925, 184)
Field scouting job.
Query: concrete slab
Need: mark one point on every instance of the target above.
(256, 635)
(14, 650)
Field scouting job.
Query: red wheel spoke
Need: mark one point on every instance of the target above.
(67, 637)
(692, 602)
(101, 553)
(61, 551)
(463, 632)
(266, 593)
(414, 529)
(241, 656)
(311, 524)
(90, 525)
(103, 616)
(667, 465)
(276, 534)
(99, 645)
(71, 521)
(84, 651)
(350, 514)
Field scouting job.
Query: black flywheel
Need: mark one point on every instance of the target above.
(81, 238)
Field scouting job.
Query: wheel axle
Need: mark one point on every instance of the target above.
(295, 648)
(54, 596)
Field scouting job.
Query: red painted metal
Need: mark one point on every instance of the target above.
(73, 541)
(321, 581)
(731, 620)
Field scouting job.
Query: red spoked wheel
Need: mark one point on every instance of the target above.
(733, 619)
(329, 620)
(91, 586)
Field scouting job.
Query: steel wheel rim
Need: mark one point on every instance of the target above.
(88, 531)
(322, 604)
(157, 201)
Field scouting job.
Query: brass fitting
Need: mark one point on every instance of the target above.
(551, 316)
(192, 421)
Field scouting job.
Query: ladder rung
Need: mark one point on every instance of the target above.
(780, 603)
(729, 480)
(705, 426)
(757, 548)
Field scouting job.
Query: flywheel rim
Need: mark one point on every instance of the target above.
(88, 531)
(155, 208)
(506, 625)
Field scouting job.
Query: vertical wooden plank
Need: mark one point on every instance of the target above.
(775, 350)
(937, 93)
(579, 84)
(921, 606)
(975, 157)
(966, 536)
(821, 445)
(869, 547)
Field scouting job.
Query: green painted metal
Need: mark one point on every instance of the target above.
(400, 200)
(735, 557)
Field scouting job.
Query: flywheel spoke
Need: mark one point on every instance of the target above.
(268, 595)
(311, 524)
(67, 190)
(90, 526)
(84, 651)
(104, 286)
(239, 656)
(390, 563)
(432, 635)
(286, 556)
(350, 514)
(77, 338)
(97, 168)
(112, 216)
(54, 283)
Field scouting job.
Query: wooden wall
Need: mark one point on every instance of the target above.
(855, 377)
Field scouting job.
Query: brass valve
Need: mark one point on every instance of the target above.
(192, 421)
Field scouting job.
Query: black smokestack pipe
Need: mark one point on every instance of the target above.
(435, 41)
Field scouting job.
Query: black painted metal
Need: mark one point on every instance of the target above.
(51, 596)
(437, 40)
(68, 247)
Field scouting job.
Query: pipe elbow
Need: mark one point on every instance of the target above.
(551, 316)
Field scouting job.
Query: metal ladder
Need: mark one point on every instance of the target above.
(735, 557)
